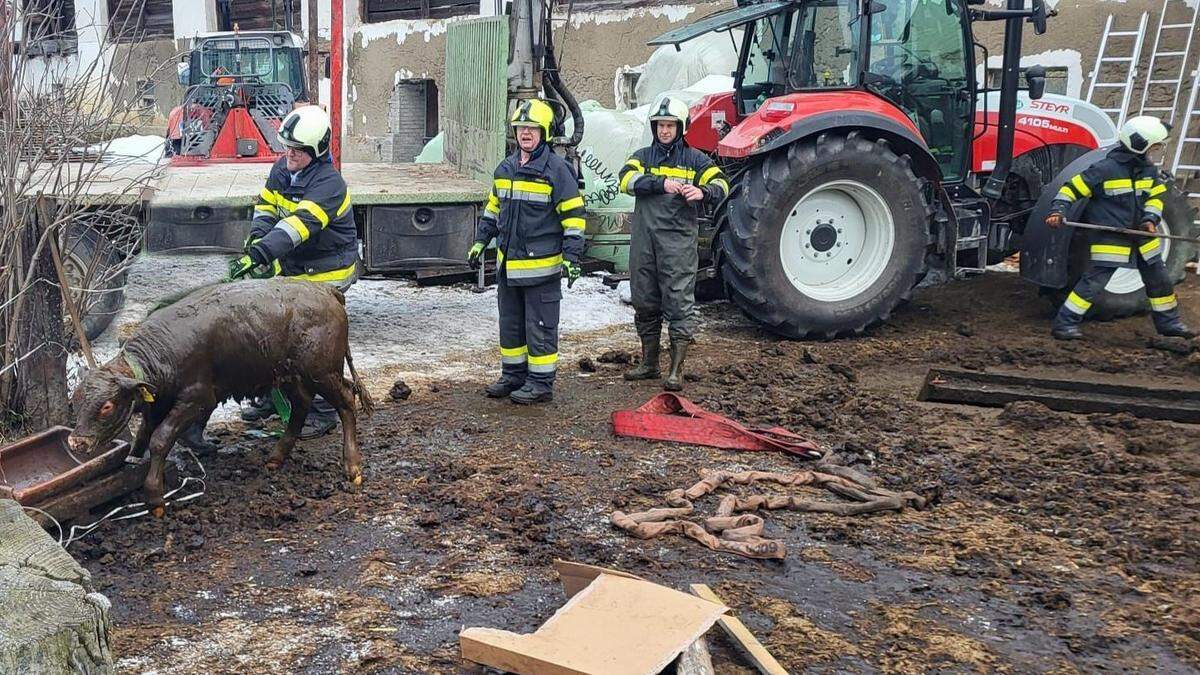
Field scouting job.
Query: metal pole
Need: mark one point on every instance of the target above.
(314, 54)
(1135, 233)
(335, 79)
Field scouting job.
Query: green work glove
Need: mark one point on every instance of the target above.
(573, 272)
(245, 266)
(474, 255)
(250, 241)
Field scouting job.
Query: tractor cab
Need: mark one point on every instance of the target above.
(239, 86)
(915, 54)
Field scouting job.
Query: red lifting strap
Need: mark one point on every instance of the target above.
(669, 417)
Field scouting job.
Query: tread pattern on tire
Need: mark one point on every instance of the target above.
(750, 235)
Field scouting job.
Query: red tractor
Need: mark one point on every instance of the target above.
(866, 158)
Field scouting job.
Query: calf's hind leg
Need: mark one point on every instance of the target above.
(301, 399)
(337, 391)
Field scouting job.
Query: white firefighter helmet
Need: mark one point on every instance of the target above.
(672, 109)
(307, 127)
(1143, 132)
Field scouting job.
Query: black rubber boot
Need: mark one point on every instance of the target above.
(504, 386)
(532, 392)
(260, 408)
(318, 424)
(648, 370)
(1066, 325)
(679, 350)
(1169, 324)
(193, 439)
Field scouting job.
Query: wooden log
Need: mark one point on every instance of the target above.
(695, 660)
(949, 385)
(745, 641)
(51, 619)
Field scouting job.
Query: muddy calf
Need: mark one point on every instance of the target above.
(233, 340)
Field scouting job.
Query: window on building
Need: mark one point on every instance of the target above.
(49, 27)
(259, 14)
(387, 10)
(130, 20)
(1056, 79)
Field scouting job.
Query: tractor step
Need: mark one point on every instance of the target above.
(973, 235)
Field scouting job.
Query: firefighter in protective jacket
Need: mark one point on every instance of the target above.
(1123, 190)
(535, 214)
(303, 228)
(670, 181)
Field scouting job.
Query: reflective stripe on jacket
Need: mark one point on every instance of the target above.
(644, 175)
(306, 222)
(535, 213)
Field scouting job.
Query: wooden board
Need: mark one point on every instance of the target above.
(949, 385)
(615, 626)
(576, 576)
(749, 645)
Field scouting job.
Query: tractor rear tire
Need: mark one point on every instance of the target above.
(827, 237)
(1128, 294)
(96, 272)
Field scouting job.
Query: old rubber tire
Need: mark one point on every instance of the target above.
(96, 272)
(779, 264)
(1125, 295)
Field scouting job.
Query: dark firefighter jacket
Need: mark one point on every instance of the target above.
(535, 213)
(306, 222)
(643, 176)
(1123, 190)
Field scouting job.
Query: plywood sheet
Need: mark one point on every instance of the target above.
(615, 626)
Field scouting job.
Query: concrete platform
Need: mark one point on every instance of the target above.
(231, 185)
(51, 619)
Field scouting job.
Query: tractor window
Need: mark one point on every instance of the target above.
(824, 46)
(919, 60)
(246, 61)
(765, 57)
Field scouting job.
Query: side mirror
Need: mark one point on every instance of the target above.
(181, 72)
(1035, 78)
(1039, 16)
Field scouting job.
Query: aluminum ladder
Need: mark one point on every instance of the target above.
(1187, 150)
(1171, 85)
(1125, 86)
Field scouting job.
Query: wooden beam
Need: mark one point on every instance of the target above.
(749, 645)
(949, 385)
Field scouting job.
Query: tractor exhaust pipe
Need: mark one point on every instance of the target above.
(1009, 82)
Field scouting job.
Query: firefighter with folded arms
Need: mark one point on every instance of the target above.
(303, 228)
(669, 181)
(1124, 189)
(535, 214)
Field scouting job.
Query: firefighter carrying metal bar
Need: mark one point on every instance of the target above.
(669, 181)
(1123, 190)
(535, 214)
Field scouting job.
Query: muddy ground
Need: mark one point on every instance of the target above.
(1062, 543)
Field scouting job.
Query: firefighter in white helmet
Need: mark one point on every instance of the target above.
(303, 228)
(1124, 189)
(670, 182)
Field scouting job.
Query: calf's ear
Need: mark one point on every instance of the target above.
(143, 390)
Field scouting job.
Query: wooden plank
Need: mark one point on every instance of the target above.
(751, 648)
(444, 276)
(949, 385)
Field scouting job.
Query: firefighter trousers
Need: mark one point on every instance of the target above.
(529, 330)
(1159, 290)
(662, 278)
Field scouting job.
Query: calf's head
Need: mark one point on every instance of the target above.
(103, 403)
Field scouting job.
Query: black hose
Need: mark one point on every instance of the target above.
(551, 78)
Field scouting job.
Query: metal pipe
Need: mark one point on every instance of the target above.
(336, 48)
(1130, 232)
(1011, 68)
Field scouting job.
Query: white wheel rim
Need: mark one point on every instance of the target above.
(1128, 280)
(837, 240)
